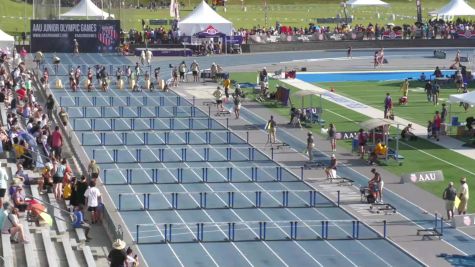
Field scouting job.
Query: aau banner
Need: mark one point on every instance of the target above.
(423, 177)
(93, 36)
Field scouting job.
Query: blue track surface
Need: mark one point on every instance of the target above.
(367, 76)
(164, 161)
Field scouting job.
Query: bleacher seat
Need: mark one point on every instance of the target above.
(7, 250)
(51, 255)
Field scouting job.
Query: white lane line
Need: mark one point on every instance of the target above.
(151, 218)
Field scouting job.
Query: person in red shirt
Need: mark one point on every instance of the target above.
(436, 125)
(56, 142)
(21, 93)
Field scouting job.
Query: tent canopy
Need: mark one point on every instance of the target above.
(376, 122)
(201, 18)
(468, 98)
(86, 8)
(455, 8)
(6, 40)
(357, 3)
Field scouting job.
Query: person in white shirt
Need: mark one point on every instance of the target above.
(3, 184)
(148, 55)
(218, 94)
(463, 195)
(93, 197)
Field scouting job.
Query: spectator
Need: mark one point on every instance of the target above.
(388, 106)
(63, 116)
(407, 133)
(218, 94)
(78, 190)
(19, 199)
(132, 261)
(117, 256)
(449, 196)
(58, 177)
(50, 106)
(330, 170)
(3, 184)
(310, 146)
(93, 196)
(56, 142)
(93, 170)
(237, 105)
(79, 221)
(436, 125)
(271, 128)
(362, 139)
(463, 196)
(332, 136)
(45, 183)
(13, 226)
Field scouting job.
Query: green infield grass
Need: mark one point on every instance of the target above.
(420, 155)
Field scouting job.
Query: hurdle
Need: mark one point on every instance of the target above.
(257, 231)
(269, 174)
(200, 200)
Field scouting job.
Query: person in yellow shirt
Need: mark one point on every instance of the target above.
(379, 150)
(226, 85)
(405, 92)
(19, 149)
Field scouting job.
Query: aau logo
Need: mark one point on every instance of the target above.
(211, 30)
(467, 34)
(467, 220)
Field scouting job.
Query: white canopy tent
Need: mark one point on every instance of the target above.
(86, 8)
(201, 18)
(358, 3)
(6, 41)
(455, 8)
(468, 98)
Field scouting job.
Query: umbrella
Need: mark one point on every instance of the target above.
(47, 218)
(390, 24)
(37, 208)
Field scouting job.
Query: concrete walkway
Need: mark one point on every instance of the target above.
(420, 130)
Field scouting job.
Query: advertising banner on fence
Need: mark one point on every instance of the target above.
(423, 177)
(465, 34)
(93, 36)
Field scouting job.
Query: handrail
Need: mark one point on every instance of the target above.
(53, 206)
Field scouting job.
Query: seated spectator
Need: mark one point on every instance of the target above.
(19, 199)
(21, 174)
(13, 226)
(422, 78)
(79, 221)
(379, 150)
(45, 183)
(21, 93)
(407, 134)
(438, 72)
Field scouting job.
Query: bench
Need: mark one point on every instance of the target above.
(7, 250)
(429, 232)
(59, 218)
(68, 250)
(342, 181)
(79, 232)
(88, 256)
(30, 247)
(51, 255)
(382, 207)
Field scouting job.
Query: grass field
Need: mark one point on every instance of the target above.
(294, 13)
(419, 155)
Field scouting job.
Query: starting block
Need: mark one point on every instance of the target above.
(223, 113)
(313, 165)
(342, 181)
(282, 145)
(209, 103)
(429, 232)
(382, 207)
